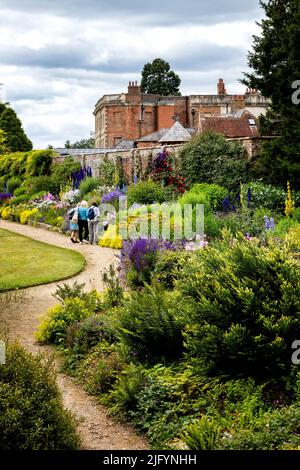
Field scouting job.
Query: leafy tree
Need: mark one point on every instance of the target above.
(62, 172)
(81, 144)
(158, 78)
(211, 158)
(16, 139)
(3, 146)
(241, 303)
(275, 64)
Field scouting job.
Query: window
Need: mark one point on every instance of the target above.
(117, 118)
(252, 122)
(148, 117)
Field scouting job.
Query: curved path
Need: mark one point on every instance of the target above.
(98, 431)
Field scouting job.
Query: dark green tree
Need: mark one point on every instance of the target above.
(211, 158)
(159, 79)
(16, 139)
(3, 144)
(81, 144)
(275, 64)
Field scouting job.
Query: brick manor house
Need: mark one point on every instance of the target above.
(136, 119)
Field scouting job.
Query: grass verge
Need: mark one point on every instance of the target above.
(25, 262)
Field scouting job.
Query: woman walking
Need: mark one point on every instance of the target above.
(73, 220)
(83, 222)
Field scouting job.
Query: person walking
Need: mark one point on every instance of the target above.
(83, 222)
(73, 220)
(93, 223)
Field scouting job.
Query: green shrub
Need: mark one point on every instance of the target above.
(20, 191)
(148, 326)
(66, 291)
(242, 308)
(215, 194)
(54, 327)
(13, 183)
(248, 221)
(202, 434)
(100, 369)
(283, 226)
(62, 172)
(265, 195)
(83, 336)
(39, 163)
(127, 388)
(13, 164)
(107, 172)
(87, 185)
(194, 198)
(113, 294)
(165, 400)
(211, 158)
(32, 416)
(19, 199)
(145, 192)
(212, 225)
(168, 266)
(276, 430)
(38, 184)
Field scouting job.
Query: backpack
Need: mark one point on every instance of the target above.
(71, 213)
(91, 213)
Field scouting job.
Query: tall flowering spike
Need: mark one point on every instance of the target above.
(289, 202)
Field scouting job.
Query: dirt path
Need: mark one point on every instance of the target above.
(96, 428)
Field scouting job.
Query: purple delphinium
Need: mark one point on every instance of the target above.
(4, 196)
(139, 252)
(112, 196)
(269, 223)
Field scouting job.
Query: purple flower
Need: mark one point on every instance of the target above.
(140, 252)
(4, 196)
(49, 197)
(112, 196)
(269, 223)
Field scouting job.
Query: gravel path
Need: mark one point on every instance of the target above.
(96, 428)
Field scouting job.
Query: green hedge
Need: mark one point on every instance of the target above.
(32, 416)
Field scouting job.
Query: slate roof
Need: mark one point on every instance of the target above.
(154, 137)
(177, 133)
(238, 125)
(74, 152)
(125, 144)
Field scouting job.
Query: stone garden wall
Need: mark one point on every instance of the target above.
(136, 161)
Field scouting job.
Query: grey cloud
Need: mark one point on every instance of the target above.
(68, 57)
(48, 57)
(156, 11)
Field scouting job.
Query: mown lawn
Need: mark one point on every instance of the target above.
(25, 262)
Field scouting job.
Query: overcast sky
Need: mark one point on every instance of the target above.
(58, 57)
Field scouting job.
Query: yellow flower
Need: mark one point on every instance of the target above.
(26, 214)
(289, 202)
(5, 213)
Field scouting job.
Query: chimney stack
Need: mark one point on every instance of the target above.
(221, 87)
(134, 88)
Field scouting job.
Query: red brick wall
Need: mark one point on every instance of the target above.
(165, 114)
(144, 145)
